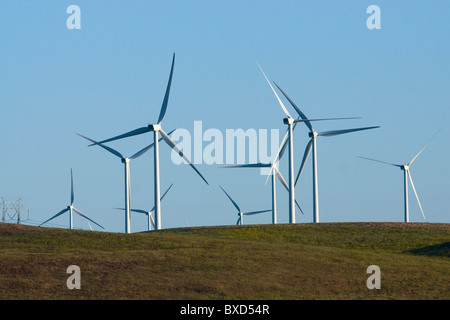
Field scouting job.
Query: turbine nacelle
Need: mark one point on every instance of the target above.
(405, 167)
(154, 127)
(288, 121)
(313, 134)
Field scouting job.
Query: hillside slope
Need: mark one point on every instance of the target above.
(301, 261)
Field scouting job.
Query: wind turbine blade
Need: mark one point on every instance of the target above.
(426, 145)
(139, 211)
(141, 152)
(338, 132)
(90, 226)
(115, 152)
(234, 203)
(285, 143)
(301, 114)
(281, 178)
(125, 135)
(417, 197)
(56, 215)
(238, 221)
(278, 98)
(252, 165)
(166, 192)
(325, 119)
(274, 162)
(172, 144)
(134, 210)
(283, 182)
(255, 212)
(305, 157)
(392, 164)
(298, 206)
(166, 96)
(72, 197)
(86, 217)
(152, 220)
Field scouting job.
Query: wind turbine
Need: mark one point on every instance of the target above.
(407, 175)
(291, 122)
(280, 177)
(156, 129)
(126, 162)
(312, 144)
(71, 208)
(240, 213)
(151, 221)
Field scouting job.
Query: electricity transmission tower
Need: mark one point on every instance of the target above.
(12, 210)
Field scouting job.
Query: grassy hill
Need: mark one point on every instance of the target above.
(286, 262)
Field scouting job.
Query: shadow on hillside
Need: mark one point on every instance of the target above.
(442, 250)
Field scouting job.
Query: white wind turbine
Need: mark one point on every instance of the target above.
(291, 122)
(156, 129)
(312, 144)
(407, 175)
(71, 208)
(126, 162)
(280, 177)
(151, 221)
(240, 213)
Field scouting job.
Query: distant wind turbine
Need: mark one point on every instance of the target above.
(71, 208)
(240, 213)
(126, 162)
(151, 221)
(407, 175)
(156, 129)
(275, 173)
(313, 145)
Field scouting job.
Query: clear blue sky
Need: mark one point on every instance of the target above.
(109, 77)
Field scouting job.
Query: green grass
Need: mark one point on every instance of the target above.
(301, 261)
